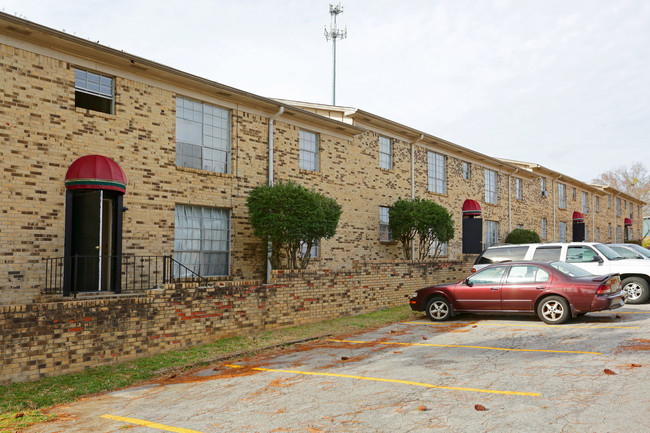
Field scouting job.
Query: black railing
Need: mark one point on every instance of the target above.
(113, 273)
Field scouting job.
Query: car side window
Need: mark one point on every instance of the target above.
(502, 254)
(489, 276)
(526, 274)
(581, 255)
(547, 254)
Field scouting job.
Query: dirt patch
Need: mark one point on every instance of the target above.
(635, 344)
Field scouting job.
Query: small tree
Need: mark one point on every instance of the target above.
(431, 222)
(522, 236)
(288, 215)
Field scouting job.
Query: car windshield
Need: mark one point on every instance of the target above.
(625, 252)
(570, 270)
(608, 252)
(639, 249)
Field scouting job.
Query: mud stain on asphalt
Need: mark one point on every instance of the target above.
(635, 344)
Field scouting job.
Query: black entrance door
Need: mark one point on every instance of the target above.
(472, 235)
(578, 231)
(92, 232)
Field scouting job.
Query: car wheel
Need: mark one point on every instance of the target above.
(553, 310)
(637, 290)
(438, 309)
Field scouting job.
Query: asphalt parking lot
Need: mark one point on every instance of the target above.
(472, 374)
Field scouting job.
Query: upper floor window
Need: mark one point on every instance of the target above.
(467, 173)
(561, 193)
(585, 203)
(385, 234)
(519, 189)
(609, 201)
(385, 153)
(618, 207)
(574, 193)
(491, 192)
(308, 150)
(437, 172)
(597, 203)
(202, 136)
(93, 91)
(631, 211)
(543, 184)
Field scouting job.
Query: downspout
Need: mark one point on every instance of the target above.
(593, 218)
(269, 246)
(510, 201)
(555, 205)
(413, 143)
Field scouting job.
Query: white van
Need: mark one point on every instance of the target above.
(592, 257)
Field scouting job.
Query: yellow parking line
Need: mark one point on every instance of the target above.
(149, 424)
(465, 346)
(530, 326)
(405, 382)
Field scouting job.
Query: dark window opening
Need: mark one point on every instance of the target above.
(93, 102)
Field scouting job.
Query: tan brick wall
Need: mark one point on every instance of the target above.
(48, 339)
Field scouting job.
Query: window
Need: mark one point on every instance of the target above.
(585, 203)
(609, 230)
(562, 232)
(547, 254)
(491, 233)
(314, 249)
(385, 235)
(631, 211)
(502, 254)
(618, 234)
(543, 184)
(489, 276)
(385, 153)
(440, 247)
(597, 203)
(93, 91)
(437, 173)
(638, 211)
(574, 193)
(520, 226)
(519, 189)
(561, 192)
(202, 240)
(202, 136)
(581, 255)
(618, 207)
(609, 201)
(467, 174)
(543, 228)
(491, 194)
(308, 150)
(526, 274)
(597, 234)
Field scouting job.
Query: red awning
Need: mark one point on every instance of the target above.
(95, 172)
(627, 222)
(578, 217)
(471, 208)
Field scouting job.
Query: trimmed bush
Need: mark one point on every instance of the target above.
(522, 236)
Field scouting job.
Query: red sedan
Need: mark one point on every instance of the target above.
(554, 291)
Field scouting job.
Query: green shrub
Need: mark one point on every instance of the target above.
(522, 236)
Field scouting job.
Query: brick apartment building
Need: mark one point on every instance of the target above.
(106, 154)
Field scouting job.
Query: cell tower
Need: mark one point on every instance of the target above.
(334, 33)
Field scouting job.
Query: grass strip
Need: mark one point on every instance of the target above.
(30, 397)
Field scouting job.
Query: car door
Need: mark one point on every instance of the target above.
(481, 291)
(587, 258)
(522, 286)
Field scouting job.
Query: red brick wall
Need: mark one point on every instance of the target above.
(47, 339)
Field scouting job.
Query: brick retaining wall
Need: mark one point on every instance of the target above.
(51, 338)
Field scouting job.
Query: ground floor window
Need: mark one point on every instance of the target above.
(562, 232)
(202, 240)
(491, 233)
(314, 249)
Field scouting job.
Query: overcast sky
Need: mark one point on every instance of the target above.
(564, 83)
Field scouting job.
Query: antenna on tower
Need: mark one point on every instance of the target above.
(334, 33)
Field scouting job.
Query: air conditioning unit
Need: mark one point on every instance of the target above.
(544, 193)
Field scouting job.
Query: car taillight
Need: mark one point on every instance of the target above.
(610, 286)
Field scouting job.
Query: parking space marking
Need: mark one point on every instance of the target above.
(380, 379)
(464, 346)
(529, 326)
(149, 424)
